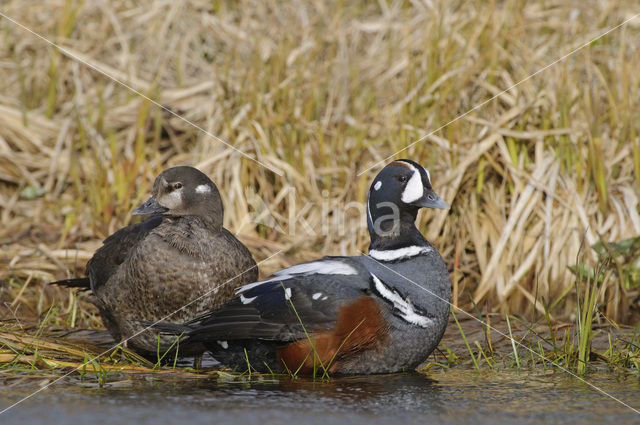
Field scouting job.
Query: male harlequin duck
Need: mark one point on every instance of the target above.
(159, 266)
(380, 313)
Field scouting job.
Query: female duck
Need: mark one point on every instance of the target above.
(175, 265)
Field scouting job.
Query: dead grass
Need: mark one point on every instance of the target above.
(322, 90)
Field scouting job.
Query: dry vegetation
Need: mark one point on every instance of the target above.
(322, 90)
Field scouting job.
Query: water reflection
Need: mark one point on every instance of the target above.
(452, 397)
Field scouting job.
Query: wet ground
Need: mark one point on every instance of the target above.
(455, 396)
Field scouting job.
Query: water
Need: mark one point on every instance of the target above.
(440, 397)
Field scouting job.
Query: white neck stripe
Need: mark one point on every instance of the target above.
(396, 254)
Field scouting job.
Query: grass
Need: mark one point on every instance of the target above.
(466, 343)
(321, 91)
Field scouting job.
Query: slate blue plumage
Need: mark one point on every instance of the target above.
(377, 313)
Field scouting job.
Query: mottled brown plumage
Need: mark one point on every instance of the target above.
(156, 268)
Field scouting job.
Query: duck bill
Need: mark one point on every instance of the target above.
(430, 200)
(150, 206)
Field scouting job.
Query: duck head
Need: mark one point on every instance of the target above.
(184, 191)
(396, 195)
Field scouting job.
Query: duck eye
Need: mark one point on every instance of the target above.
(177, 186)
(402, 179)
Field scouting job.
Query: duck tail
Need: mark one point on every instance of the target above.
(80, 282)
(168, 328)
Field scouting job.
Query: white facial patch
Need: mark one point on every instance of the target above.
(414, 188)
(203, 188)
(405, 307)
(326, 267)
(378, 185)
(400, 253)
(172, 200)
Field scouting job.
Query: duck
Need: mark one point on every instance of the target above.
(177, 263)
(380, 312)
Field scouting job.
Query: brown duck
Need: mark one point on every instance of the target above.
(166, 264)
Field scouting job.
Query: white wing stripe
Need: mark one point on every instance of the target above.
(326, 267)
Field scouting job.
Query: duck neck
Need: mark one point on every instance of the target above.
(391, 227)
(210, 213)
(213, 224)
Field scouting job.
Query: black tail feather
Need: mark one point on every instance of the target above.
(168, 328)
(80, 282)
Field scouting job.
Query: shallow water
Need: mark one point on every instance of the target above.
(440, 397)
